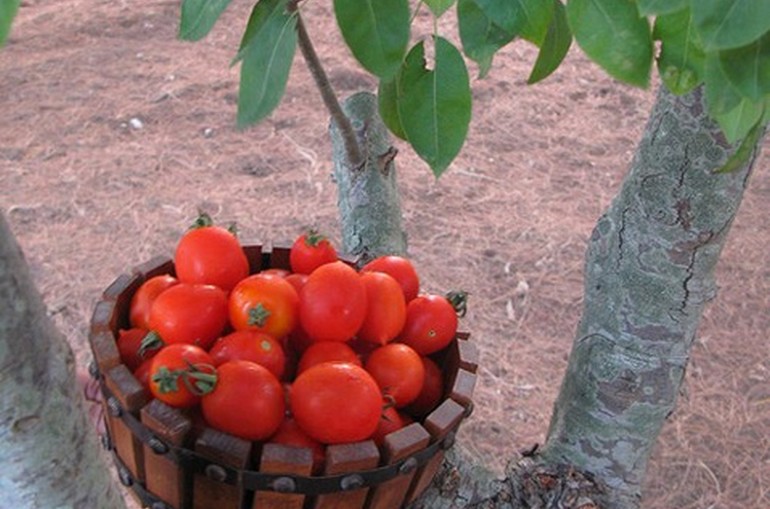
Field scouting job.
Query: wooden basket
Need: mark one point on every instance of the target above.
(170, 459)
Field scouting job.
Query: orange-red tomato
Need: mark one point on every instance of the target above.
(391, 420)
(399, 372)
(327, 351)
(130, 347)
(431, 323)
(266, 303)
(250, 345)
(180, 374)
(141, 301)
(332, 303)
(189, 313)
(142, 373)
(431, 392)
(336, 403)
(386, 308)
(210, 255)
(247, 401)
(401, 269)
(309, 251)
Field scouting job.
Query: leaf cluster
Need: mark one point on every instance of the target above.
(424, 85)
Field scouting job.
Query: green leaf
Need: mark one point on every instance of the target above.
(527, 18)
(681, 61)
(613, 35)
(555, 46)
(439, 7)
(480, 35)
(658, 7)
(736, 124)
(725, 24)
(387, 99)
(742, 155)
(721, 96)
(267, 58)
(748, 68)
(377, 32)
(435, 104)
(8, 9)
(198, 17)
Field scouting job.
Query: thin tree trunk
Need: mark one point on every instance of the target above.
(367, 194)
(49, 454)
(648, 276)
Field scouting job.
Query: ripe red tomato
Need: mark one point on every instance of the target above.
(180, 374)
(332, 303)
(297, 280)
(431, 323)
(142, 373)
(189, 313)
(386, 308)
(391, 420)
(327, 351)
(309, 251)
(210, 255)
(399, 372)
(141, 302)
(289, 433)
(250, 345)
(130, 347)
(401, 269)
(336, 403)
(247, 401)
(276, 272)
(265, 303)
(432, 390)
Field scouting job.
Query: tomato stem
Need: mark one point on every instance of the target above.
(152, 341)
(196, 380)
(258, 315)
(203, 220)
(459, 300)
(313, 237)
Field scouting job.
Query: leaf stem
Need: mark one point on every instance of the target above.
(352, 149)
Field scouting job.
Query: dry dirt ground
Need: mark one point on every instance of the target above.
(114, 134)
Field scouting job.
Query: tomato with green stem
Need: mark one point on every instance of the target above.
(130, 347)
(431, 321)
(189, 313)
(180, 374)
(309, 251)
(247, 401)
(210, 254)
(265, 303)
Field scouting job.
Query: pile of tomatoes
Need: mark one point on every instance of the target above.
(319, 354)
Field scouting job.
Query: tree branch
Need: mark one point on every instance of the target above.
(352, 149)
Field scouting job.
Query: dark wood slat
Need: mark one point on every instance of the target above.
(342, 458)
(283, 459)
(397, 446)
(221, 449)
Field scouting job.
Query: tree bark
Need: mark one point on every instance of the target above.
(367, 194)
(49, 453)
(649, 273)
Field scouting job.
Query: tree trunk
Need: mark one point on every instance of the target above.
(649, 273)
(49, 453)
(367, 194)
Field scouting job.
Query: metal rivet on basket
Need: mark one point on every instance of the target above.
(468, 409)
(125, 476)
(114, 407)
(216, 472)
(157, 445)
(448, 441)
(407, 466)
(284, 485)
(351, 482)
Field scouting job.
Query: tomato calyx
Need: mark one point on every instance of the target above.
(194, 378)
(258, 315)
(313, 237)
(203, 220)
(152, 341)
(459, 301)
